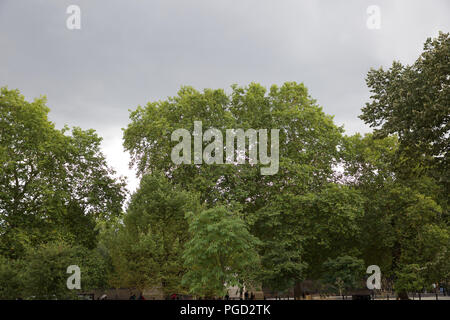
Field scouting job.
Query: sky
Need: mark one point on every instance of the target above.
(130, 52)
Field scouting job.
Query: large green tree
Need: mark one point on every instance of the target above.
(308, 141)
(403, 223)
(53, 183)
(406, 166)
(413, 102)
(10, 280)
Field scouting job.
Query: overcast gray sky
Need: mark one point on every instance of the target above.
(129, 52)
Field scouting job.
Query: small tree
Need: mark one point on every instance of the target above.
(409, 279)
(344, 272)
(220, 253)
(44, 272)
(10, 281)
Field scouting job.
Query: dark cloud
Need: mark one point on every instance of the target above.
(130, 52)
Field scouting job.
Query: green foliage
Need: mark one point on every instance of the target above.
(303, 126)
(410, 278)
(10, 281)
(135, 260)
(146, 251)
(331, 220)
(53, 185)
(308, 151)
(282, 251)
(42, 272)
(299, 232)
(403, 221)
(414, 103)
(202, 228)
(344, 273)
(220, 253)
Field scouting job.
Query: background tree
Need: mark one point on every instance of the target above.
(134, 259)
(279, 226)
(53, 185)
(221, 253)
(344, 273)
(413, 102)
(403, 223)
(147, 249)
(331, 224)
(44, 271)
(10, 281)
(410, 279)
(308, 151)
(408, 204)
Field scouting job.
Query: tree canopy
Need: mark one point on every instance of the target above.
(54, 183)
(336, 205)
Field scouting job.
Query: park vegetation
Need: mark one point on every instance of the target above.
(338, 203)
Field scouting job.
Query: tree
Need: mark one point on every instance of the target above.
(299, 232)
(135, 260)
(331, 224)
(146, 250)
(409, 279)
(10, 281)
(410, 207)
(303, 126)
(53, 184)
(344, 272)
(279, 226)
(413, 103)
(308, 151)
(403, 223)
(44, 271)
(220, 253)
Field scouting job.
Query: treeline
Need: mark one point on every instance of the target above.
(337, 204)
